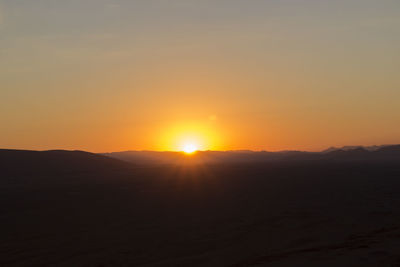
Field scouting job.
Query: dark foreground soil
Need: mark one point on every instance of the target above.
(302, 214)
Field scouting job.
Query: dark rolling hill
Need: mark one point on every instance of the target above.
(55, 161)
(71, 208)
(356, 153)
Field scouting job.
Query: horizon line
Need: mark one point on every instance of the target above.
(209, 150)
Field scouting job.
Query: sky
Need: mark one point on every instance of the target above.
(112, 75)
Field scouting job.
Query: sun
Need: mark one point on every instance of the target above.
(189, 148)
(189, 137)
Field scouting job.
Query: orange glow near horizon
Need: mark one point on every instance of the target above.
(190, 137)
(264, 80)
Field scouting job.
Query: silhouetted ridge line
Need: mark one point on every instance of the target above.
(348, 153)
(27, 161)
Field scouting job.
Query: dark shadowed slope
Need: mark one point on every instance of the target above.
(280, 213)
(24, 161)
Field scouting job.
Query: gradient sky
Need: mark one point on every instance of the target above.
(104, 75)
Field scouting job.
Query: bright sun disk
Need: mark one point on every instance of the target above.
(189, 148)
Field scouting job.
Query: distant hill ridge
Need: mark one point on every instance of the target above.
(347, 148)
(63, 161)
(25, 161)
(347, 153)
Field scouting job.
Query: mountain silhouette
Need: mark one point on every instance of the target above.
(349, 153)
(241, 208)
(59, 161)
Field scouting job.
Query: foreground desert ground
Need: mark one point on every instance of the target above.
(280, 214)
